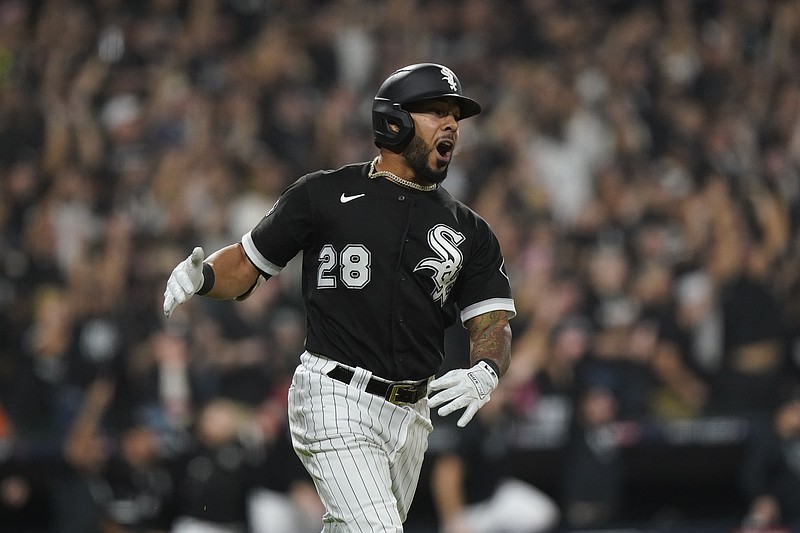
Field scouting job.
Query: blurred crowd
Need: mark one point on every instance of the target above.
(639, 161)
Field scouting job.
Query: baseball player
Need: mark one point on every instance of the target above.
(390, 260)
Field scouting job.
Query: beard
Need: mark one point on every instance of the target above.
(417, 154)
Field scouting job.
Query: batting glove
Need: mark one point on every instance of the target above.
(467, 388)
(185, 280)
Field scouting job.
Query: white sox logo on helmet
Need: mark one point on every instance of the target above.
(450, 78)
(444, 241)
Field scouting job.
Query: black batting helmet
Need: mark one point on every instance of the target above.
(423, 81)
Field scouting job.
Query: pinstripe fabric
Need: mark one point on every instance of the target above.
(364, 453)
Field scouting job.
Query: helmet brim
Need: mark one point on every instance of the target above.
(467, 106)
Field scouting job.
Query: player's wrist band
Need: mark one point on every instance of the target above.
(492, 364)
(208, 280)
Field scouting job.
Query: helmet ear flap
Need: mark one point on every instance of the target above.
(386, 114)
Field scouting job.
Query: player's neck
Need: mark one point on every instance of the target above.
(377, 172)
(396, 164)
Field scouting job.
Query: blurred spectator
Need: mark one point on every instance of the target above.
(26, 499)
(139, 482)
(689, 350)
(623, 340)
(771, 472)
(569, 143)
(283, 496)
(474, 487)
(130, 479)
(214, 481)
(548, 400)
(592, 483)
(751, 378)
(87, 449)
(241, 474)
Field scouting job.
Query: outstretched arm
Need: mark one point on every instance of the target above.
(227, 274)
(234, 274)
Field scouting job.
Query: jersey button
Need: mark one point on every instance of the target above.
(402, 278)
(401, 198)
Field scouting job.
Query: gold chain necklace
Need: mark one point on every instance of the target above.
(397, 179)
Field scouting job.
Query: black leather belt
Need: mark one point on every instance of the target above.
(396, 392)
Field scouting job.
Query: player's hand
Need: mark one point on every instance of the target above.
(185, 280)
(463, 388)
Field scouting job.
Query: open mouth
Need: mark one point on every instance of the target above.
(445, 148)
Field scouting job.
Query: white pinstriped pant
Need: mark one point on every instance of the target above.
(364, 453)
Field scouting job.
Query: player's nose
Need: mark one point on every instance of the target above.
(450, 122)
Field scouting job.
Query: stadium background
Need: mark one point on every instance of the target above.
(638, 159)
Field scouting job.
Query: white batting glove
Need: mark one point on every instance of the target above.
(464, 388)
(185, 280)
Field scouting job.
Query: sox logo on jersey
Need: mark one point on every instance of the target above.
(443, 240)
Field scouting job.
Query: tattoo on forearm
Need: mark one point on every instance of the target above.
(490, 338)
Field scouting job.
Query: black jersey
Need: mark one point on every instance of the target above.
(386, 269)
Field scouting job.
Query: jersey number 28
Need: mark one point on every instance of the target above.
(353, 264)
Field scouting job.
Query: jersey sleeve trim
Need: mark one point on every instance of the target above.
(256, 258)
(492, 304)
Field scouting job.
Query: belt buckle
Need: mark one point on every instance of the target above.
(396, 388)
